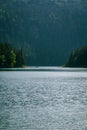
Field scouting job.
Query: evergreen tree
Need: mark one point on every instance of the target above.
(78, 58)
(2, 60)
(12, 59)
(9, 57)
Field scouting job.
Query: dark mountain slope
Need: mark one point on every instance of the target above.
(47, 30)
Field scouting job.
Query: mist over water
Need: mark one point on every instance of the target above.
(43, 100)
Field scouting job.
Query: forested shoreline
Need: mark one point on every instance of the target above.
(78, 58)
(47, 30)
(11, 57)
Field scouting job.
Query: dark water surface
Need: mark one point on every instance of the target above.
(43, 100)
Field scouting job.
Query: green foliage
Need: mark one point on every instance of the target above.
(2, 60)
(12, 58)
(78, 58)
(9, 57)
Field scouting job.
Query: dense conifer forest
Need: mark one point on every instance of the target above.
(47, 30)
(11, 57)
(78, 58)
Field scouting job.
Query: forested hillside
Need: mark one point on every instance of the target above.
(47, 30)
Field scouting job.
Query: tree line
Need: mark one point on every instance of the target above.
(78, 58)
(11, 57)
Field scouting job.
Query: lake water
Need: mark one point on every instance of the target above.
(47, 99)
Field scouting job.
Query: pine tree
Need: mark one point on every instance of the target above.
(9, 57)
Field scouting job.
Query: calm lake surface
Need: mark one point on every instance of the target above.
(47, 99)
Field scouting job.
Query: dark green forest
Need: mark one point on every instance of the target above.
(10, 57)
(78, 58)
(47, 30)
